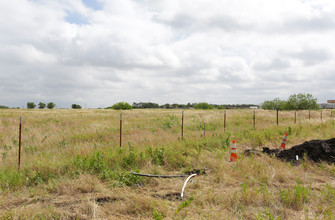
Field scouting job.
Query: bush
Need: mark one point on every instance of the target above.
(51, 105)
(75, 106)
(31, 105)
(41, 105)
(203, 105)
(121, 106)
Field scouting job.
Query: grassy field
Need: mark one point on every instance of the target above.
(72, 166)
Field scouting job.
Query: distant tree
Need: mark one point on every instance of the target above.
(121, 106)
(75, 106)
(203, 105)
(294, 102)
(31, 105)
(41, 105)
(220, 107)
(50, 105)
(301, 101)
(3, 107)
(275, 104)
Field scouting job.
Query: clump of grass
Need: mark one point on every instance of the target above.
(157, 215)
(295, 198)
(184, 204)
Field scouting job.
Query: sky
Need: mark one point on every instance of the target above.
(96, 53)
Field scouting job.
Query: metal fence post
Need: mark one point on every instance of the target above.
(182, 125)
(120, 129)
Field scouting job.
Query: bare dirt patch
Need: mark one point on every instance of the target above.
(169, 196)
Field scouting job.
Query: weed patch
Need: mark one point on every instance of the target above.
(295, 198)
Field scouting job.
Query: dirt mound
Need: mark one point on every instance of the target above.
(315, 150)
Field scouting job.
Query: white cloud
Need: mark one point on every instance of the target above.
(101, 52)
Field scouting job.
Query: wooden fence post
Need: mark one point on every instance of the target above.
(254, 119)
(277, 117)
(20, 131)
(295, 117)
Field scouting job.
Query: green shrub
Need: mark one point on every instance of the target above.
(171, 121)
(203, 105)
(76, 106)
(121, 106)
(157, 156)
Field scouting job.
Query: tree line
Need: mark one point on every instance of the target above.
(50, 105)
(201, 105)
(41, 105)
(299, 101)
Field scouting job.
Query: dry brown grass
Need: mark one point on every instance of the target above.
(255, 187)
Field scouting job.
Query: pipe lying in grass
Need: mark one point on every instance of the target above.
(160, 176)
(182, 191)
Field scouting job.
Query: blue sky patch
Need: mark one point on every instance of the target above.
(76, 18)
(93, 4)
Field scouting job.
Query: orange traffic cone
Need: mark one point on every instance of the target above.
(283, 144)
(233, 155)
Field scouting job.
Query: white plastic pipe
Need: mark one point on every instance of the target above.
(188, 178)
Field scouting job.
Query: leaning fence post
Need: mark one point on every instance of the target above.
(120, 129)
(20, 131)
(182, 124)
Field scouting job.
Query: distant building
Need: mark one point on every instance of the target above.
(254, 107)
(330, 101)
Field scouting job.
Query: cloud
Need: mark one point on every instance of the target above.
(99, 52)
